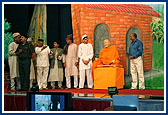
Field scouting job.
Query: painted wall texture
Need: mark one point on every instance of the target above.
(119, 18)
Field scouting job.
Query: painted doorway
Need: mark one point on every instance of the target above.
(101, 33)
(128, 42)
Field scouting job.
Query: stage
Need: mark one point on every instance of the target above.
(91, 100)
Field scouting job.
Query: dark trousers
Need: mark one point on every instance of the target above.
(24, 72)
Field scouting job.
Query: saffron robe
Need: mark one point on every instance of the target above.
(105, 58)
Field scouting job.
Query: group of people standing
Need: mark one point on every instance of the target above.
(22, 54)
(77, 60)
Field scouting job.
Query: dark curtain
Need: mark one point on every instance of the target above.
(19, 15)
(59, 23)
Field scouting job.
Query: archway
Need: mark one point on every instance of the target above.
(136, 30)
(101, 33)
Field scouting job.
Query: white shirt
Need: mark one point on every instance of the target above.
(58, 106)
(85, 52)
(42, 56)
(42, 108)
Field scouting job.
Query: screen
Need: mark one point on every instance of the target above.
(48, 101)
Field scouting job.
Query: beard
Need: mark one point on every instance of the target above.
(19, 42)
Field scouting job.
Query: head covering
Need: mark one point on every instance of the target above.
(84, 36)
(16, 34)
(29, 39)
(69, 37)
(41, 40)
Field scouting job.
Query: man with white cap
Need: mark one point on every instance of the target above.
(29, 40)
(13, 61)
(42, 52)
(85, 53)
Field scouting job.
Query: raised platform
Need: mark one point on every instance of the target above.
(90, 99)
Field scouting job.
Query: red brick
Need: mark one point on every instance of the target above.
(118, 23)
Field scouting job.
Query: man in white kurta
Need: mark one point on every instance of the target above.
(85, 53)
(42, 52)
(13, 61)
(56, 68)
(32, 71)
(70, 60)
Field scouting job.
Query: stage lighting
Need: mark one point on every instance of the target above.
(112, 91)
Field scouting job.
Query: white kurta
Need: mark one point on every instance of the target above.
(56, 74)
(13, 60)
(42, 66)
(42, 56)
(85, 51)
(70, 59)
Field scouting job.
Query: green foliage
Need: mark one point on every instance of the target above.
(7, 38)
(158, 56)
(158, 30)
(163, 12)
(155, 82)
(158, 27)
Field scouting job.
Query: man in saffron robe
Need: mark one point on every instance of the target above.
(108, 56)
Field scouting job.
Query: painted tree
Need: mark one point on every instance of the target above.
(7, 38)
(158, 28)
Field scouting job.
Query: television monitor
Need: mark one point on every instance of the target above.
(125, 103)
(48, 101)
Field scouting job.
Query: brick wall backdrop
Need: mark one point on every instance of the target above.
(85, 18)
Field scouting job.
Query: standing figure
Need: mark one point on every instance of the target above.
(32, 68)
(85, 53)
(43, 108)
(42, 52)
(25, 52)
(50, 107)
(70, 60)
(58, 106)
(136, 63)
(36, 107)
(13, 61)
(56, 71)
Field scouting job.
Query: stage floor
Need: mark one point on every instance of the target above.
(142, 94)
(90, 99)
